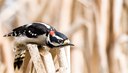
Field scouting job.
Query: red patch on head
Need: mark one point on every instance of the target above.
(52, 33)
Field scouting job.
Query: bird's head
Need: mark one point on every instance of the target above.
(57, 39)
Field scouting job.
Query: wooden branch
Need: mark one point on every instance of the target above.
(102, 35)
(48, 61)
(120, 53)
(2, 68)
(67, 50)
(34, 53)
(62, 59)
(85, 3)
(39, 6)
(116, 23)
(117, 10)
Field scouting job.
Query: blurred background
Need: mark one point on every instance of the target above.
(97, 28)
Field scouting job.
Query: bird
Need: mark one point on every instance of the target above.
(38, 33)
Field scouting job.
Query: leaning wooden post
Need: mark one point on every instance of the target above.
(2, 67)
(35, 56)
(47, 60)
(67, 50)
(62, 59)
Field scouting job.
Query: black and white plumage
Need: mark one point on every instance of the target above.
(31, 33)
(35, 33)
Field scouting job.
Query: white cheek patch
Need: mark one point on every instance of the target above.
(48, 39)
(53, 43)
(58, 37)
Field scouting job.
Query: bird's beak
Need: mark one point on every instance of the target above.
(67, 42)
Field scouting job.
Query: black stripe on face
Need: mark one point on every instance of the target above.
(53, 39)
(58, 38)
(50, 45)
(61, 35)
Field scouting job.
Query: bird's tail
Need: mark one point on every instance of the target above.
(9, 34)
(19, 58)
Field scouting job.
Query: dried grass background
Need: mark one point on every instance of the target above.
(98, 28)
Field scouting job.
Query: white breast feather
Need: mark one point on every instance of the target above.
(24, 40)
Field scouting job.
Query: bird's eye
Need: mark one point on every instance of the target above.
(60, 41)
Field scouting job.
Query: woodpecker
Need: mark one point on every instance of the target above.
(38, 33)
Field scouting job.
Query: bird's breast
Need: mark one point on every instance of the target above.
(25, 40)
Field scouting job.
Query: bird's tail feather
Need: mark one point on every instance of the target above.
(9, 34)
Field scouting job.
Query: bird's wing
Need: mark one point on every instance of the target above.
(31, 30)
